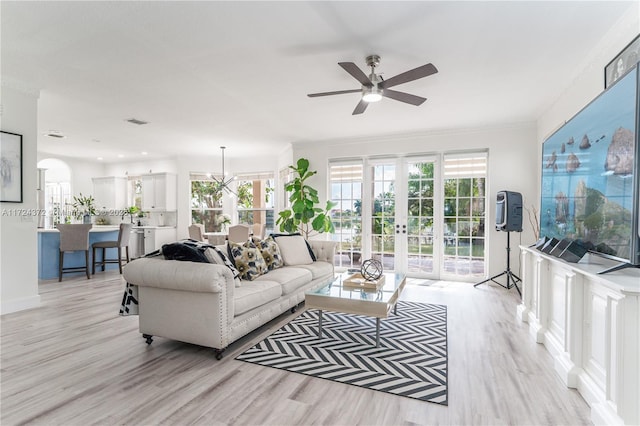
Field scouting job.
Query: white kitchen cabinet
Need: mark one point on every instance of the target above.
(110, 192)
(590, 323)
(154, 238)
(159, 192)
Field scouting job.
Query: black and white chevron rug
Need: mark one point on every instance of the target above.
(411, 360)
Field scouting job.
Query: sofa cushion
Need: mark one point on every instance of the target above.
(217, 256)
(255, 293)
(290, 278)
(318, 269)
(270, 252)
(247, 259)
(294, 249)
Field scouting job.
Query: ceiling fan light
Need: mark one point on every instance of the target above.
(372, 97)
(371, 94)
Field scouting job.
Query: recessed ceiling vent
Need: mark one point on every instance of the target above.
(136, 121)
(55, 135)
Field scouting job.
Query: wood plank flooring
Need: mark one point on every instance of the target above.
(75, 361)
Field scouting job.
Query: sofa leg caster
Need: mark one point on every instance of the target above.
(219, 353)
(294, 309)
(148, 337)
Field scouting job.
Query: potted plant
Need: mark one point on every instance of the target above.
(131, 211)
(304, 216)
(83, 208)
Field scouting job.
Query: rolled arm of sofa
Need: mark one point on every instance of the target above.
(324, 250)
(178, 275)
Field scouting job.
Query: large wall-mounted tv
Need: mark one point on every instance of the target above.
(590, 175)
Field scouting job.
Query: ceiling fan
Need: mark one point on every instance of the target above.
(374, 87)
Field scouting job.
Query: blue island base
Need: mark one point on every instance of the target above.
(49, 248)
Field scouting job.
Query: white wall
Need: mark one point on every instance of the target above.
(511, 148)
(18, 247)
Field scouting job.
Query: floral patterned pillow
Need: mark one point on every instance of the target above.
(270, 252)
(248, 260)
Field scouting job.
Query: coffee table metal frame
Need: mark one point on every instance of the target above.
(337, 297)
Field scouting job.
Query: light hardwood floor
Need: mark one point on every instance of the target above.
(75, 361)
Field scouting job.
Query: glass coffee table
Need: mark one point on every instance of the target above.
(350, 299)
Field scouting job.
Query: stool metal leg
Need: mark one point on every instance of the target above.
(60, 262)
(86, 263)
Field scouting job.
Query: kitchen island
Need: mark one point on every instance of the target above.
(143, 239)
(49, 249)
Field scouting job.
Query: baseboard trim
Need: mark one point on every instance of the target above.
(21, 304)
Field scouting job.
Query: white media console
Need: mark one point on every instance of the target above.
(590, 323)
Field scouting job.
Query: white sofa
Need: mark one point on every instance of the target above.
(199, 303)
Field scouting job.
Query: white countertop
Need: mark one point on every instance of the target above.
(108, 228)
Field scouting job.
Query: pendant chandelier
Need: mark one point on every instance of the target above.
(223, 182)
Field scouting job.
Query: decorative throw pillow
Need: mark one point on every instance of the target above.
(217, 256)
(248, 260)
(294, 249)
(270, 252)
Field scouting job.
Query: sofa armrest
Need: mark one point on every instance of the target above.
(324, 250)
(179, 275)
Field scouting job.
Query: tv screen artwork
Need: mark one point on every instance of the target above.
(588, 169)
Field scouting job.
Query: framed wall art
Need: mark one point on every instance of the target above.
(10, 167)
(622, 63)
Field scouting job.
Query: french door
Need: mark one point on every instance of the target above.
(420, 215)
(403, 219)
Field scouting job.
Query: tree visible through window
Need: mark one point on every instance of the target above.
(206, 205)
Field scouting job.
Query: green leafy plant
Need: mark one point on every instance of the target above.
(83, 205)
(133, 210)
(304, 216)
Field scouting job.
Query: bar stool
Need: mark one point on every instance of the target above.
(123, 241)
(238, 233)
(73, 237)
(196, 232)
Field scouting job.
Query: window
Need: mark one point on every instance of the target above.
(345, 180)
(255, 199)
(464, 214)
(134, 191)
(206, 203)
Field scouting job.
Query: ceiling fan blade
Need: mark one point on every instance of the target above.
(356, 73)
(403, 97)
(338, 92)
(410, 75)
(362, 105)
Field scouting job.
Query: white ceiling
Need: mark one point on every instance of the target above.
(206, 74)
